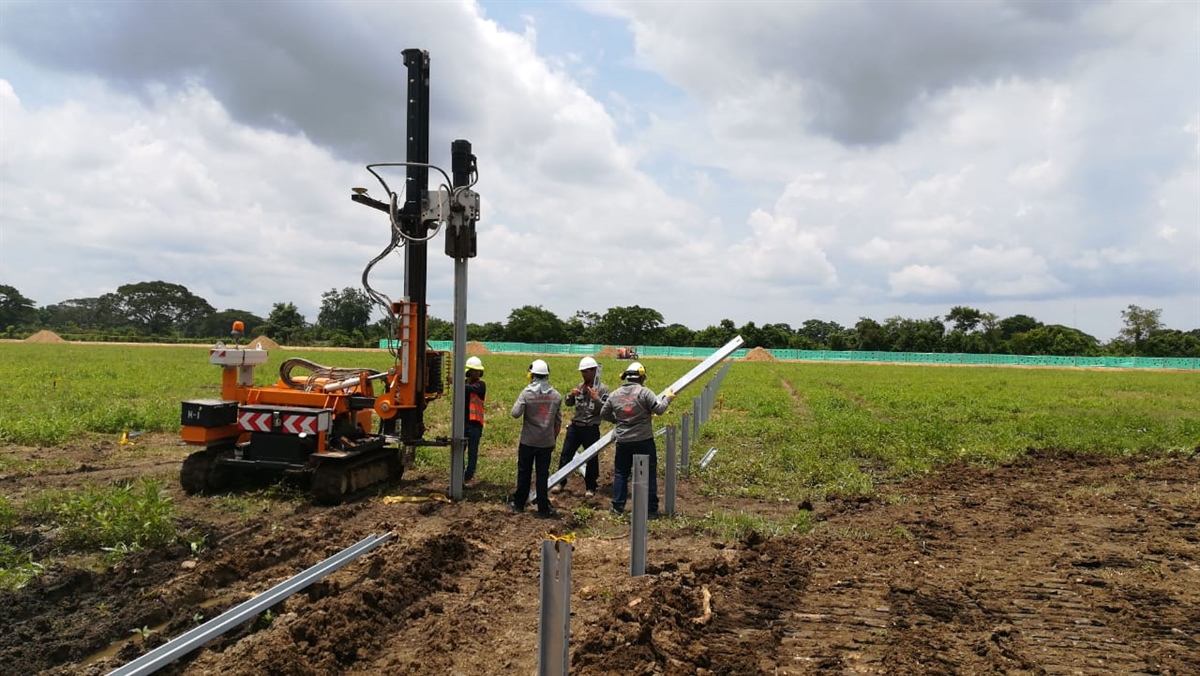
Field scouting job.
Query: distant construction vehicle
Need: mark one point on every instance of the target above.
(627, 353)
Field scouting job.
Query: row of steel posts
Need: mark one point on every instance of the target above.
(554, 622)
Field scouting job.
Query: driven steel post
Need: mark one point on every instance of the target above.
(685, 433)
(669, 480)
(554, 627)
(460, 245)
(639, 515)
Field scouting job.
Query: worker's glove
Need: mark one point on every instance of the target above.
(669, 395)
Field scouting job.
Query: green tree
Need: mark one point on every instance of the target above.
(345, 311)
(82, 314)
(219, 324)
(676, 335)
(963, 318)
(160, 308)
(1172, 343)
(819, 332)
(715, 336)
(752, 335)
(438, 329)
(15, 309)
(489, 332)
(285, 324)
(529, 324)
(915, 335)
(776, 336)
(1057, 340)
(1011, 326)
(581, 327)
(1140, 323)
(632, 325)
(871, 336)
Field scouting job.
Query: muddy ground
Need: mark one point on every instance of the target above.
(1055, 564)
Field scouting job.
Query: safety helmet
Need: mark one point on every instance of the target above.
(587, 363)
(474, 364)
(539, 368)
(634, 371)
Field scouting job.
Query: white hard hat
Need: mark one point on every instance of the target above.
(587, 363)
(539, 368)
(474, 364)
(634, 370)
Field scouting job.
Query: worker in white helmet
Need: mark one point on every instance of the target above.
(631, 407)
(541, 407)
(587, 397)
(476, 395)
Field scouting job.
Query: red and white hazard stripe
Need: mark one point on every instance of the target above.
(300, 424)
(252, 421)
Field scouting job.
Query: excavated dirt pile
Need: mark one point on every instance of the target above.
(264, 341)
(759, 354)
(45, 337)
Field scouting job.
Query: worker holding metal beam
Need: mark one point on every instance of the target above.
(587, 397)
(631, 406)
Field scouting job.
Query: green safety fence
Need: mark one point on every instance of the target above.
(1186, 363)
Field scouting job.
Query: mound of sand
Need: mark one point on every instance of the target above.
(608, 352)
(759, 354)
(264, 341)
(45, 337)
(474, 347)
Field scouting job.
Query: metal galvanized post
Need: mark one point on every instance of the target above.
(458, 417)
(555, 628)
(637, 531)
(696, 417)
(669, 479)
(684, 427)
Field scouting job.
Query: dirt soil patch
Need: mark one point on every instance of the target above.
(1053, 564)
(476, 348)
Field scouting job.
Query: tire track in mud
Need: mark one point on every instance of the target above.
(951, 593)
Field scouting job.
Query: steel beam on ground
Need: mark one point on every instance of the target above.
(178, 647)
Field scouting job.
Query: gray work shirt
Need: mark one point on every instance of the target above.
(587, 408)
(541, 406)
(631, 406)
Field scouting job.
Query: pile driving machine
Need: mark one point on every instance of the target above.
(321, 420)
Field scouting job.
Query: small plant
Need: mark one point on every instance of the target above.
(143, 632)
(198, 544)
(16, 567)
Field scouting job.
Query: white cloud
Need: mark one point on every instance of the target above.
(923, 280)
(779, 161)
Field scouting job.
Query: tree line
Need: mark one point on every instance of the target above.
(165, 312)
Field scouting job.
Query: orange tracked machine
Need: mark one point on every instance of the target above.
(349, 428)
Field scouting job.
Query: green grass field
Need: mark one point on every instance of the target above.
(782, 429)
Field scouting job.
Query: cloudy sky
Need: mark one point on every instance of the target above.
(753, 161)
